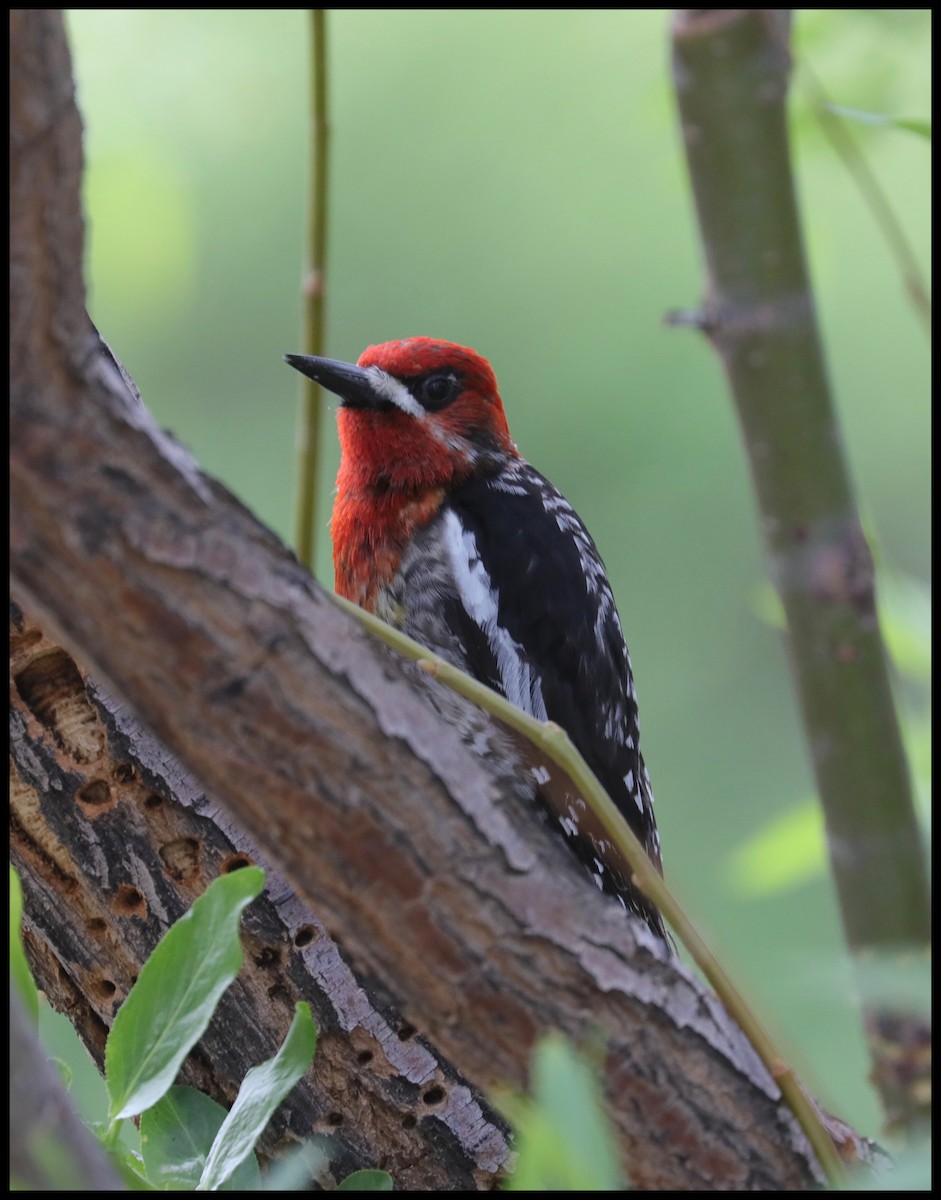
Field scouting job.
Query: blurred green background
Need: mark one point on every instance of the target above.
(514, 181)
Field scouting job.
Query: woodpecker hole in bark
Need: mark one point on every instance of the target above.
(181, 857)
(129, 902)
(95, 794)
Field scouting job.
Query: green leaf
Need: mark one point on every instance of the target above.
(262, 1090)
(914, 125)
(19, 967)
(129, 1165)
(563, 1135)
(66, 1074)
(784, 853)
(366, 1181)
(168, 1008)
(918, 125)
(176, 1137)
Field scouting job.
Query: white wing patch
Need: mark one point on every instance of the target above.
(521, 685)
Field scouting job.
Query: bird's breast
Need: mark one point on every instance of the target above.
(371, 531)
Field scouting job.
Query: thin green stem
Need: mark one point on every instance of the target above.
(109, 1135)
(873, 195)
(308, 432)
(554, 742)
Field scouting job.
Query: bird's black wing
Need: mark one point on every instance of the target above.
(536, 620)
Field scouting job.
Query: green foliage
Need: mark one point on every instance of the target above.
(167, 1010)
(562, 1133)
(177, 1136)
(262, 1090)
(366, 1181)
(188, 1141)
(912, 124)
(19, 967)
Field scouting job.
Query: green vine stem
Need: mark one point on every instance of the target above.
(308, 431)
(844, 144)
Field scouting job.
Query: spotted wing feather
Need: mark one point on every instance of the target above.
(507, 582)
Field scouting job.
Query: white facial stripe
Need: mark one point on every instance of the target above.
(393, 390)
(520, 683)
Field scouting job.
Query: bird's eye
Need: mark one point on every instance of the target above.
(437, 390)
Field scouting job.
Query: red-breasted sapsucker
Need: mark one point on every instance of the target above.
(443, 530)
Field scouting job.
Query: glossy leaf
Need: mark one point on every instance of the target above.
(176, 1137)
(262, 1090)
(167, 1010)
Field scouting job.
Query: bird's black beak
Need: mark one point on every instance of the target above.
(352, 384)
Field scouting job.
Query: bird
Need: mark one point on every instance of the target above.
(441, 528)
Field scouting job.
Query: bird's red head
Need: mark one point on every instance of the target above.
(418, 417)
(415, 414)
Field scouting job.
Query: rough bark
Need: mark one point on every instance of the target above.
(452, 927)
(113, 841)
